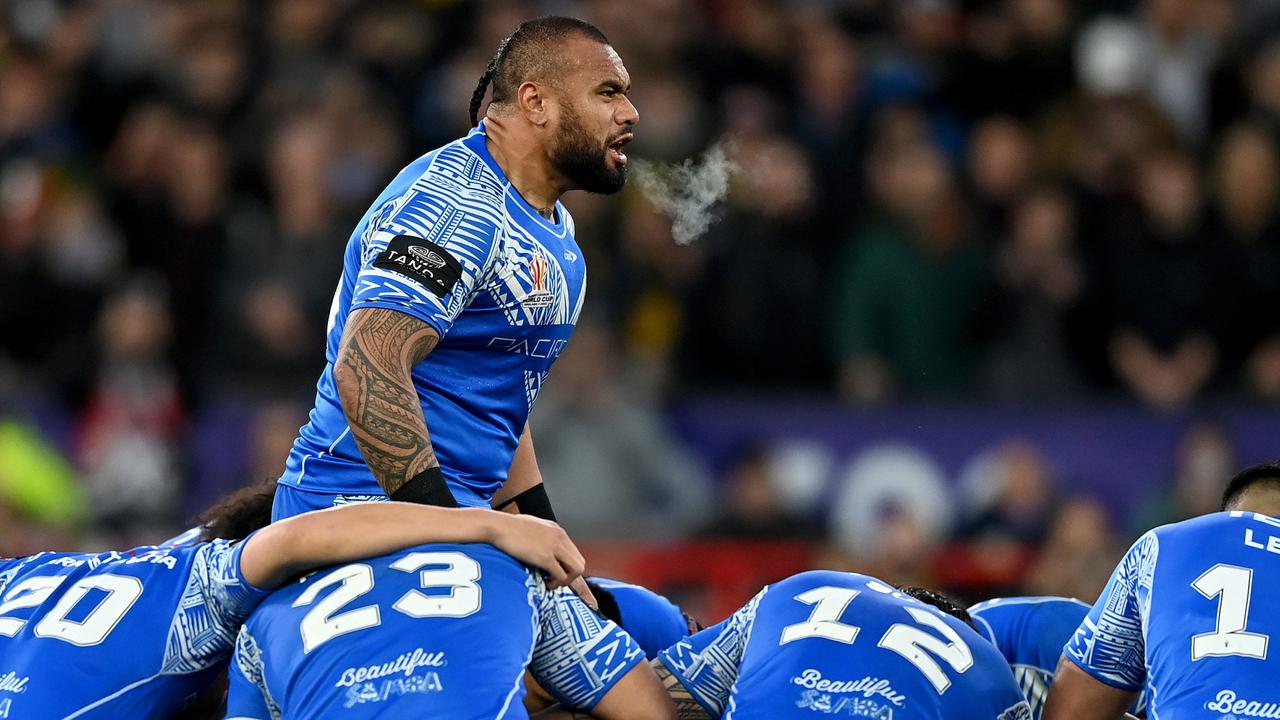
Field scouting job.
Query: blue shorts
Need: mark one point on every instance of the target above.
(290, 501)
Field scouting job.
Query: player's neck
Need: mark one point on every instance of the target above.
(524, 161)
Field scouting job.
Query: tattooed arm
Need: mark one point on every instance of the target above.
(686, 707)
(374, 375)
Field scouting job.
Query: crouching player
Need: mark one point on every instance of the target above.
(140, 633)
(1189, 612)
(651, 619)
(1030, 633)
(844, 644)
(439, 630)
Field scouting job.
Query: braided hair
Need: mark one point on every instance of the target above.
(477, 97)
(528, 52)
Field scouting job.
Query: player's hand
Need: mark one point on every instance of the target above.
(580, 587)
(544, 545)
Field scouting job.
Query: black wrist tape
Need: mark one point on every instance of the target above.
(535, 502)
(426, 488)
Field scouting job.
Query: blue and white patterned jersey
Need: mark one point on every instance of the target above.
(431, 631)
(839, 644)
(118, 634)
(1030, 633)
(452, 243)
(1190, 611)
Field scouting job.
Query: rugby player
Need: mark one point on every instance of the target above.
(438, 630)
(1190, 611)
(652, 620)
(844, 644)
(461, 286)
(1030, 633)
(140, 633)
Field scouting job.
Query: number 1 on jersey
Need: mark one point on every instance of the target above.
(824, 621)
(1235, 586)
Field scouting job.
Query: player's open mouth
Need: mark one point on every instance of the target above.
(615, 150)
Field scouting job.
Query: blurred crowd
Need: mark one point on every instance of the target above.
(985, 201)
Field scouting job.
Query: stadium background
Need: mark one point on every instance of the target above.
(994, 290)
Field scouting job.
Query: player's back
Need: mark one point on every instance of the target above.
(848, 645)
(431, 631)
(1030, 633)
(117, 634)
(1214, 605)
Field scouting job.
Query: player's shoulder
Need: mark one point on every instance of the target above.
(12, 568)
(833, 578)
(458, 173)
(1213, 521)
(1030, 605)
(1198, 533)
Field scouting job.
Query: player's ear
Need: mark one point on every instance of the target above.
(531, 99)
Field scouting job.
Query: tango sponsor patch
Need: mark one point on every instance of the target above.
(423, 261)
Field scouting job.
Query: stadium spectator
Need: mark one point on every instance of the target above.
(768, 253)
(1165, 283)
(1247, 175)
(1001, 164)
(751, 507)
(1079, 549)
(1034, 321)
(1205, 456)
(131, 426)
(907, 286)
(1021, 492)
(604, 445)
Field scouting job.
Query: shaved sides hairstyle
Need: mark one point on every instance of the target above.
(529, 53)
(1268, 472)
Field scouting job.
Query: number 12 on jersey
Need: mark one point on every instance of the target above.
(915, 645)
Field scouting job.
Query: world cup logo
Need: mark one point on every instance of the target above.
(539, 296)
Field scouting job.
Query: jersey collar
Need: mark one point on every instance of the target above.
(475, 140)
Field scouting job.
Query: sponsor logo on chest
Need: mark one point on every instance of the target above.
(1230, 705)
(406, 664)
(11, 682)
(868, 697)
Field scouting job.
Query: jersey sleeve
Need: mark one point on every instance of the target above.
(580, 655)
(425, 252)
(1110, 643)
(215, 602)
(247, 695)
(224, 585)
(707, 663)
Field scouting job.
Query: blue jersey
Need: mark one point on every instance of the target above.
(452, 243)
(1030, 633)
(431, 631)
(117, 634)
(1190, 611)
(654, 621)
(848, 645)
